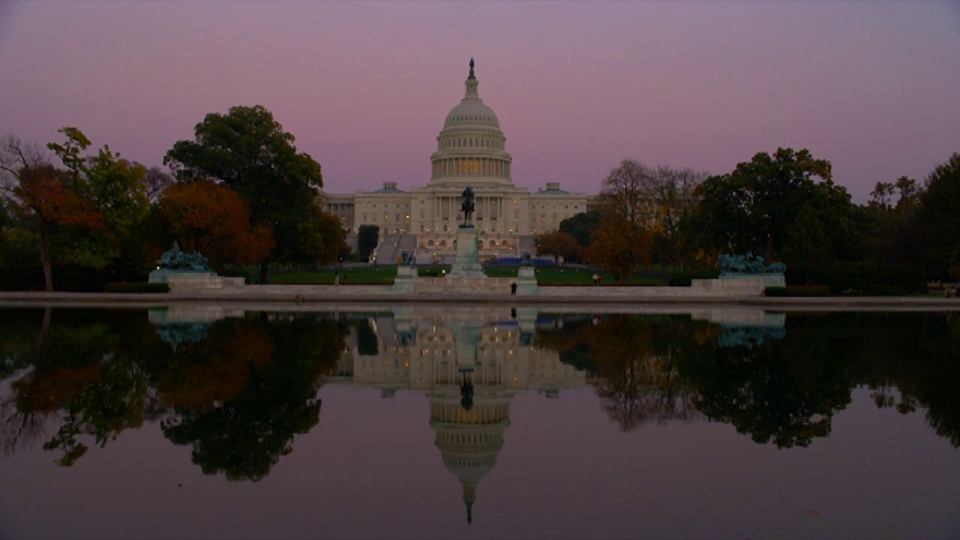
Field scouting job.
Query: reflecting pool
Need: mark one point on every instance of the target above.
(478, 422)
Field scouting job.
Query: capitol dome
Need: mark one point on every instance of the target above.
(472, 112)
(471, 148)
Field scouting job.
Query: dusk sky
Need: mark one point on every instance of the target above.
(872, 86)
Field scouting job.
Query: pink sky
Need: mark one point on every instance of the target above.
(874, 87)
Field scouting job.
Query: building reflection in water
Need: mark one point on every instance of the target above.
(469, 363)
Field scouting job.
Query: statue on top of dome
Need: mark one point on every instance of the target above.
(467, 205)
(471, 70)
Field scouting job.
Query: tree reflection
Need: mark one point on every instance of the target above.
(636, 360)
(271, 371)
(780, 391)
(238, 396)
(74, 372)
(777, 387)
(915, 362)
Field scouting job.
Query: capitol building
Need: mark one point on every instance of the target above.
(471, 152)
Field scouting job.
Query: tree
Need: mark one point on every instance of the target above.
(759, 208)
(581, 226)
(156, 182)
(108, 185)
(941, 201)
(896, 236)
(367, 237)
(560, 245)
(334, 240)
(673, 194)
(619, 247)
(36, 192)
(117, 188)
(211, 219)
(45, 198)
(247, 150)
(319, 239)
(81, 215)
(48, 199)
(625, 193)
(621, 242)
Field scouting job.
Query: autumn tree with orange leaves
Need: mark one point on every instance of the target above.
(619, 247)
(46, 197)
(212, 219)
(560, 245)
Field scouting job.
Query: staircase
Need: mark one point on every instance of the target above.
(527, 244)
(393, 245)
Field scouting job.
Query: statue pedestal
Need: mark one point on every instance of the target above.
(406, 279)
(527, 281)
(189, 281)
(467, 263)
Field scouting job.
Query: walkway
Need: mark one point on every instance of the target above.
(318, 295)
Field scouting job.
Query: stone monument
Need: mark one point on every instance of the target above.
(526, 276)
(188, 271)
(751, 266)
(467, 265)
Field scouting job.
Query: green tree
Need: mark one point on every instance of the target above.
(248, 150)
(940, 215)
(763, 204)
(896, 244)
(581, 226)
(113, 189)
(367, 237)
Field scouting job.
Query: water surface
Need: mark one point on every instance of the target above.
(481, 423)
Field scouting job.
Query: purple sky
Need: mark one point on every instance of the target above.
(874, 87)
